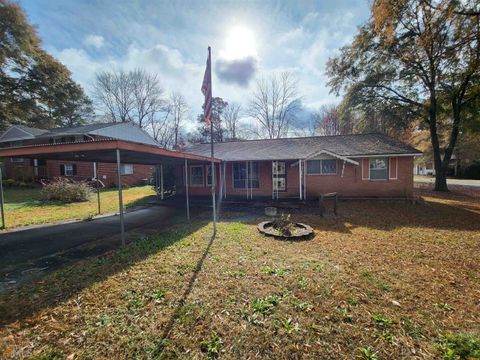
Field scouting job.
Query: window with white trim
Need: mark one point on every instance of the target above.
(126, 169)
(379, 169)
(239, 170)
(196, 175)
(323, 167)
(69, 170)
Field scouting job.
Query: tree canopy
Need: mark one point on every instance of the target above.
(418, 60)
(35, 88)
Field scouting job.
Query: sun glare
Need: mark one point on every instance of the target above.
(240, 43)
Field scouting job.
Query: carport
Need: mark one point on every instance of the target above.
(110, 151)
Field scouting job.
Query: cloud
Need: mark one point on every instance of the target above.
(236, 71)
(96, 41)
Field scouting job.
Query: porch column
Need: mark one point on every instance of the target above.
(120, 199)
(186, 189)
(2, 205)
(246, 177)
(157, 182)
(300, 192)
(161, 181)
(224, 178)
(221, 176)
(250, 181)
(95, 175)
(304, 181)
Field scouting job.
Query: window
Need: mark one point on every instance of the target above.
(209, 175)
(126, 169)
(196, 175)
(378, 169)
(325, 166)
(17, 160)
(240, 175)
(329, 166)
(69, 170)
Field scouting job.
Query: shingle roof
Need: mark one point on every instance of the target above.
(31, 130)
(83, 129)
(300, 148)
(120, 130)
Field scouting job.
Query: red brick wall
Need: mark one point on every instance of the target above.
(107, 172)
(354, 183)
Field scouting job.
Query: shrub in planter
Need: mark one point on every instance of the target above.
(66, 191)
(9, 183)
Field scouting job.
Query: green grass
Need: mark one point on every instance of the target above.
(24, 206)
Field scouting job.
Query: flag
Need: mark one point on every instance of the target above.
(207, 91)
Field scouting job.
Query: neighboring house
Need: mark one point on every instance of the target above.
(364, 165)
(34, 169)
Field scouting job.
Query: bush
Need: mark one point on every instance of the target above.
(9, 183)
(66, 191)
(472, 171)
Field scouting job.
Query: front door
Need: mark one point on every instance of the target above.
(279, 177)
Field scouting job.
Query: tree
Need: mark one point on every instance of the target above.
(147, 96)
(35, 88)
(129, 96)
(59, 100)
(417, 57)
(326, 121)
(160, 125)
(231, 117)
(202, 134)
(114, 93)
(180, 111)
(274, 103)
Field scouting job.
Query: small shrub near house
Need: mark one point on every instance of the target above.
(66, 191)
(11, 183)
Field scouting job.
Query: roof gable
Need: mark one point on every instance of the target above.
(18, 132)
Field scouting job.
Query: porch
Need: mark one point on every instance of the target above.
(272, 180)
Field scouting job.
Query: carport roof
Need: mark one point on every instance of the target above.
(103, 151)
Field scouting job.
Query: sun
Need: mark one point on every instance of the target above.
(240, 43)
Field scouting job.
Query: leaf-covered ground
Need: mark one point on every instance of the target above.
(381, 281)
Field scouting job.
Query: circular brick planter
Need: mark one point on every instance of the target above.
(301, 230)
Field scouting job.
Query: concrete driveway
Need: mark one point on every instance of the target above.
(37, 250)
(459, 182)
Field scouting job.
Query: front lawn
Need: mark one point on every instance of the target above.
(381, 281)
(24, 207)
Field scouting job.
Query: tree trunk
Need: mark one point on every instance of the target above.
(440, 171)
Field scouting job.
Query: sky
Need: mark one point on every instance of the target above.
(249, 40)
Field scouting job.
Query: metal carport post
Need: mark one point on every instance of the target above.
(120, 199)
(186, 189)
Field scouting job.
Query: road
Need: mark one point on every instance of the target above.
(460, 182)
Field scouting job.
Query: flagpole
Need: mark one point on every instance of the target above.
(214, 180)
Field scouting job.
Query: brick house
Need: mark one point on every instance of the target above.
(30, 169)
(363, 165)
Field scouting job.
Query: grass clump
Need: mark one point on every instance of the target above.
(367, 353)
(460, 347)
(66, 191)
(211, 346)
(275, 271)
